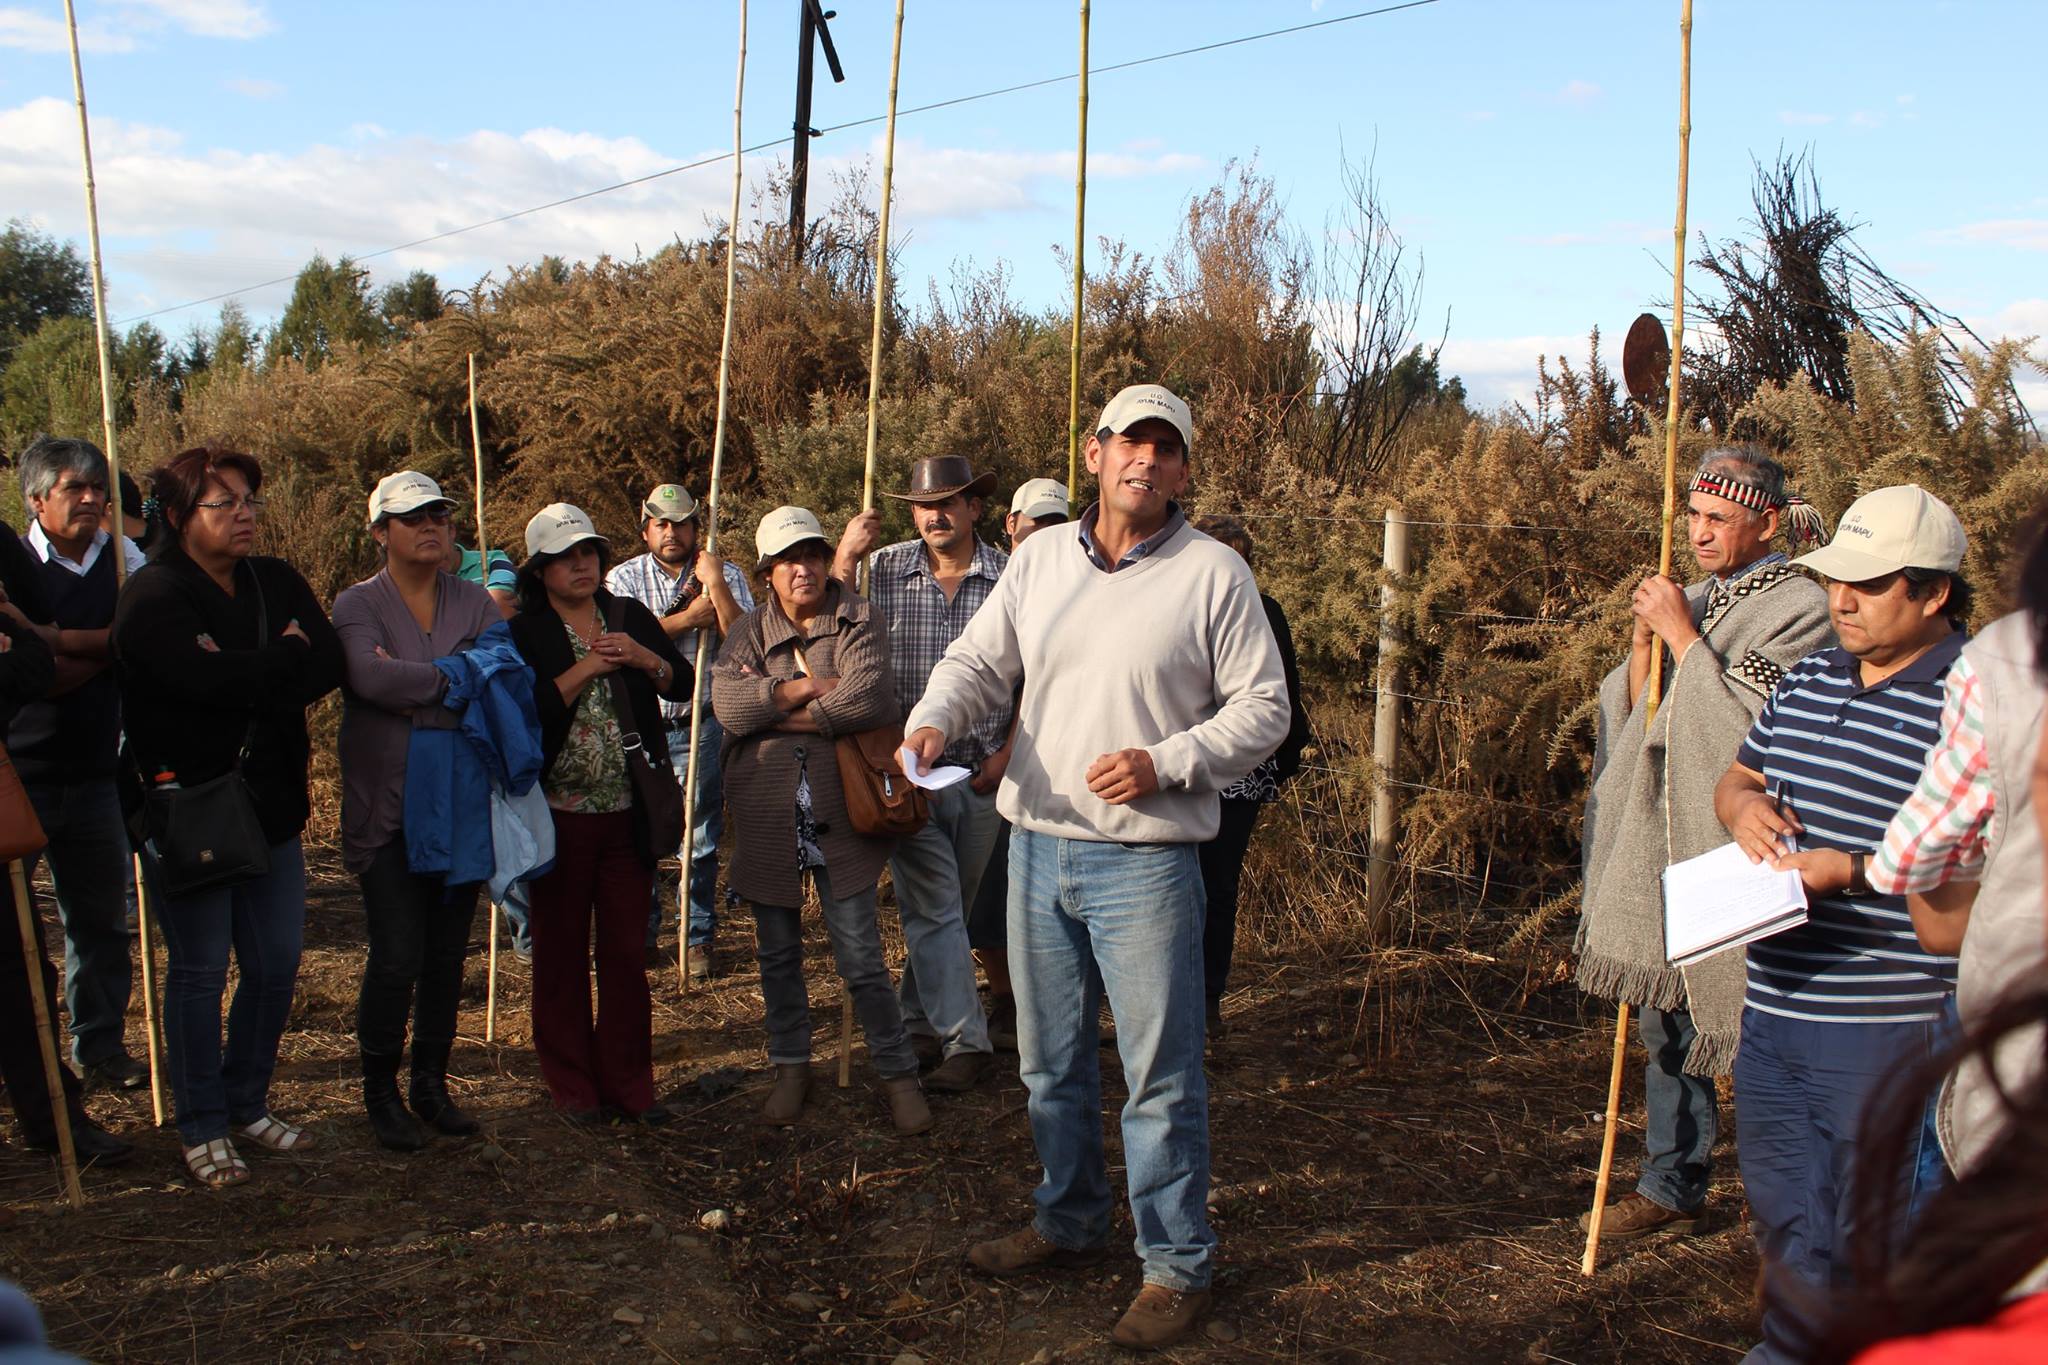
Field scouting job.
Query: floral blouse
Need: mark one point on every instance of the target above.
(589, 776)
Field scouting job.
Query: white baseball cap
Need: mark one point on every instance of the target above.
(1903, 527)
(1040, 498)
(1140, 401)
(558, 528)
(406, 491)
(784, 527)
(669, 502)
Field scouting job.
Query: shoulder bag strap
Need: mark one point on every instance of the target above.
(622, 702)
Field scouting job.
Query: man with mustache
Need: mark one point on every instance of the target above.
(927, 590)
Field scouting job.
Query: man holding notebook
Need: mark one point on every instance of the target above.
(1726, 641)
(1839, 1004)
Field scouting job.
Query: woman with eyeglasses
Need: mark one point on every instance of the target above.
(393, 626)
(599, 663)
(809, 664)
(219, 652)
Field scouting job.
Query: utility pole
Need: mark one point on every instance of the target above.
(811, 31)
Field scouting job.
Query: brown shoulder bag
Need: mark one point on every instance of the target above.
(880, 800)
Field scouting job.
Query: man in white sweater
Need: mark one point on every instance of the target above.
(1151, 681)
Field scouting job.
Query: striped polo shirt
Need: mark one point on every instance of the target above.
(1844, 757)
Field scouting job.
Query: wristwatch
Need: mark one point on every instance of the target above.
(1859, 885)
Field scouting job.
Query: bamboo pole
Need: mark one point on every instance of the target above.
(1080, 255)
(1654, 692)
(483, 563)
(732, 255)
(152, 1023)
(1386, 726)
(32, 959)
(867, 483)
(117, 544)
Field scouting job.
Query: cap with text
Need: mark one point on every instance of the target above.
(1903, 527)
(558, 528)
(670, 502)
(1040, 498)
(1140, 401)
(406, 491)
(784, 527)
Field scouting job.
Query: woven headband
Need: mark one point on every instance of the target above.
(1747, 494)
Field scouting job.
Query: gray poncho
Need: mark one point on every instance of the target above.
(1653, 796)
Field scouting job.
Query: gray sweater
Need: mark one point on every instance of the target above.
(385, 699)
(1171, 654)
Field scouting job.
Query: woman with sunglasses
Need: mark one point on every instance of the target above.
(219, 652)
(599, 663)
(392, 627)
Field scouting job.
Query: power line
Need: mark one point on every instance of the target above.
(777, 142)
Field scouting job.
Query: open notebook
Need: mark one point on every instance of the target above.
(1722, 900)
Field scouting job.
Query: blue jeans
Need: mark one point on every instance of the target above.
(518, 908)
(707, 825)
(88, 850)
(264, 922)
(857, 949)
(937, 872)
(1681, 1116)
(1086, 918)
(1801, 1091)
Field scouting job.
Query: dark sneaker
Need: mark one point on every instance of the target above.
(703, 962)
(958, 1073)
(118, 1072)
(93, 1144)
(1027, 1250)
(1159, 1317)
(1633, 1216)
(930, 1051)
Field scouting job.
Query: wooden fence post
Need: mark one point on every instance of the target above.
(1386, 724)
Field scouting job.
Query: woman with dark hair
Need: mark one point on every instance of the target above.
(599, 664)
(1967, 1283)
(393, 627)
(809, 664)
(1223, 856)
(219, 652)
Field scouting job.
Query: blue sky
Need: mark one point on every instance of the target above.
(1526, 150)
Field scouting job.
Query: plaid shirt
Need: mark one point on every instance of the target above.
(644, 580)
(1940, 834)
(922, 623)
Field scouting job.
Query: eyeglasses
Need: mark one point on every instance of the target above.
(252, 502)
(439, 514)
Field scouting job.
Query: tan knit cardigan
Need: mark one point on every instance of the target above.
(849, 641)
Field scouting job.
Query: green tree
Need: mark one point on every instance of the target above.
(235, 342)
(410, 301)
(330, 308)
(40, 277)
(53, 383)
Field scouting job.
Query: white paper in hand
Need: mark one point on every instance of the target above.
(1722, 900)
(938, 779)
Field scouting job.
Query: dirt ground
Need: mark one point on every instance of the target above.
(1403, 1143)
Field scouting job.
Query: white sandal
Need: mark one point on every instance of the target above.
(216, 1164)
(278, 1136)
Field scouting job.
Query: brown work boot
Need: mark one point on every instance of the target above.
(1633, 1216)
(907, 1108)
(1159, 1317)
(1027, 1250)
(786, 1100)
(959, 1073)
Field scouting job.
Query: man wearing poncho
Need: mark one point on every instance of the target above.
(1729, 638)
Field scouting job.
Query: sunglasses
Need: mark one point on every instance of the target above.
(438, 514)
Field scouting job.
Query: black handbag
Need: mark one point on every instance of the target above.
(207, 835)
(655, 789)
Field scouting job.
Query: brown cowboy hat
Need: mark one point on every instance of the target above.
(939, 477)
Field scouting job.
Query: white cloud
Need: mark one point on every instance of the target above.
(2027, 234)
(41, 30)
(1577, 93)
(2023, 318)
(1863, 118)
(254, 88)
(1503, 369)
(178, 224)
